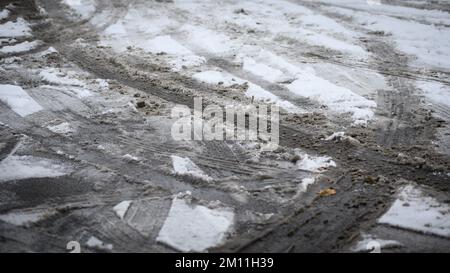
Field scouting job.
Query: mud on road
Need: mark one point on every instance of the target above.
(104, 131)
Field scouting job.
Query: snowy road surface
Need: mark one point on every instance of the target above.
(86, 152)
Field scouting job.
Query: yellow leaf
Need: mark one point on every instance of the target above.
(327, 192)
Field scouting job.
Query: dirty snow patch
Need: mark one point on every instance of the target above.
(22, 167)
(195, 228)
(184, 166)
(121, 208)
(415, 211)
(18, 100)
(19, 28)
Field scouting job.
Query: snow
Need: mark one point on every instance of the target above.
(365, 244)
(195, 228)
(25, 218)
(256, 91)
(303, 186)
(166, 44)
(428, 43)
(181, 56)
(52, 75)
(96, 243)
(436, 92)
(62, 128)
(19, 28)
(335, 135)
(48, 51)
(122, 208)
(131, 157)
(20, 47)
(22, 167)
(18, 100)
(315, 164)
(102, 83)
(264, 71)
(337, 98)
(4, 14)
(415, 211)
(208, 40)
(83, 8)
(184, 166)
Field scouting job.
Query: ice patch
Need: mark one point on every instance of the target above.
(415, 211)
(184, 166)
(121, 208)
(19, 28)
(96, 243)
(195, 228)
(18, 100)
(22, 167)
(21, 47)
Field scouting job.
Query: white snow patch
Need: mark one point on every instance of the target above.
(21, 47)
(18, 100)
(83, 8)
(22, 167)
(315, 164)
(122, 208)
(19, 28)
(96, 243)
(25, 218)
(4, 14)
(195, 228)
(54, 76)
(436, 92)
(256, 91)
(184, 166)
(62, 128)
(208, 40)
(337, 98)
(415, 211)
(48, 51)
(365, 244)
(131, 157)
(303, 186)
